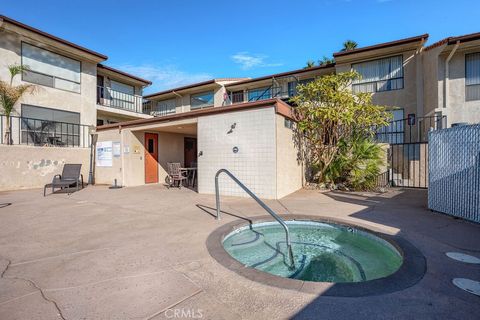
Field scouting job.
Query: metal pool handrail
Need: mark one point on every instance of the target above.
(260, 202)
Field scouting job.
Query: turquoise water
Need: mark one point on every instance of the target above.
(322, 252)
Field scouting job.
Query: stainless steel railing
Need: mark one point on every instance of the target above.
(261, 203)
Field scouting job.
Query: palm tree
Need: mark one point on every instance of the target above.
(310, 64)
(9, 95)
(325, 60)
(349, 45)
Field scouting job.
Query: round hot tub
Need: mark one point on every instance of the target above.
(329, 257)
(322, 252)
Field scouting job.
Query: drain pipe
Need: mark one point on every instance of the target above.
(446, 77)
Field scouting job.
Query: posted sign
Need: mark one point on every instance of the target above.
(104, 154)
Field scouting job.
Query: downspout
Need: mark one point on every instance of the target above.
(447, 75)
(122, 155)
(420, 80)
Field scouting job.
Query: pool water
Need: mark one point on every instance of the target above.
(322, 252)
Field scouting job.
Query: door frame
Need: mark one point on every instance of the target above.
(148, 153)
(187, 165)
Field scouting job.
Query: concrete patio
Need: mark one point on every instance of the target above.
(140, 253)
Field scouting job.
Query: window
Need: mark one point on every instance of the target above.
(379, 75)
(288, 123)
(50, 69)
(259, 94)
(472, 76)
(165, 107)
(151, 146)
(236, 96)
(292, 86)
(45, 126)
(201, 100)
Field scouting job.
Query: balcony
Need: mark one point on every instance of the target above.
(260, 94)
(119, 100)
(43, 132)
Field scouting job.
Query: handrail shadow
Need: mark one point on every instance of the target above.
(204, 208)
(6, 204)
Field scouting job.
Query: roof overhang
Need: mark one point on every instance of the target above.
(304, 73)
(51, 41)
(121, 75)
(382, 49)
(191, 88)
(281, 108)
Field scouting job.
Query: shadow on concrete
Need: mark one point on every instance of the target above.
(3, 205)
(213, 212)
(404, 209)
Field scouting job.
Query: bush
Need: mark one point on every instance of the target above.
(357, 164)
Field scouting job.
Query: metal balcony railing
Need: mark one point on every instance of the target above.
(43, 133)
(115, 99)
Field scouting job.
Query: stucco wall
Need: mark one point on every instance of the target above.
(129, 169)
(458, 110)
(289, 166)
(83, 103)
(254, 163)
(23, 167)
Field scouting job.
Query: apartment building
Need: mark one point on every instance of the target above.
(71, 86)
(246, 125)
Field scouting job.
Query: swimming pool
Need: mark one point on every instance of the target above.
(323, 252)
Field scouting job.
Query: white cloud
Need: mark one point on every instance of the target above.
(164, 77)
(249, 61)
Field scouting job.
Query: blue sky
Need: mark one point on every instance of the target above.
(179, 42)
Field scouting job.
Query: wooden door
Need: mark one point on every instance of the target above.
(190, 152)
(151, 158)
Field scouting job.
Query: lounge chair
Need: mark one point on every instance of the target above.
(70, 177)
(175, 174)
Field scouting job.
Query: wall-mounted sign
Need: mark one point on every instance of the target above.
(104, 154)
(116, 149)
(126, 149)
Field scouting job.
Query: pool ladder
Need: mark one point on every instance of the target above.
(261, 203)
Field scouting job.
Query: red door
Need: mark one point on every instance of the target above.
(190, 152)
(151, 158)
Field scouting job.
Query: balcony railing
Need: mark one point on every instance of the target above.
(43, 133)
(115, 99)
(267, 93)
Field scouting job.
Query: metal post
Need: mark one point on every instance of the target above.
(93, 139)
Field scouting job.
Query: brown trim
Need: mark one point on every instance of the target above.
(188, 86)
(280, 107)
(102, 66)
(193, 85)
(282, 74)
(453, 40)
(52, 37)
(382, 45)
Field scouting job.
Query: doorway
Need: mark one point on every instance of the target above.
(151, 158)
(190, 152)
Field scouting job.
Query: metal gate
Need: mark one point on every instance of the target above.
(407, 155)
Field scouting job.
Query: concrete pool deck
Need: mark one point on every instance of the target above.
(140, 253)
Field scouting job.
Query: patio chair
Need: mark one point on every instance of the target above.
(175, 174)
(70, 176)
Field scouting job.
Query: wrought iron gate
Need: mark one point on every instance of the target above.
(407, 155)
